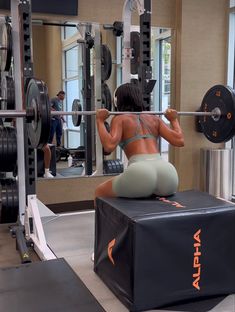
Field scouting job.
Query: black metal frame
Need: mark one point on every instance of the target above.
(87, 96)
(26, 35)
(145, 69)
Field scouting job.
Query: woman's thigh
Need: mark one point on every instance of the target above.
(138, 180)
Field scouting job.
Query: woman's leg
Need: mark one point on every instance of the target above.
(59, 132)
(52, 130)
(104, 190)
(138, 180)
(47, 156)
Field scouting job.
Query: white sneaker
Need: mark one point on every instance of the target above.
(93, 257)
(48, 175)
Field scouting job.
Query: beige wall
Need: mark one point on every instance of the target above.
(47, 56)
(67, 190)
(108, 11)
(201, 43)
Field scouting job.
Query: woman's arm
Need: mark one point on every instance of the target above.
(172, 134)
(109, 140)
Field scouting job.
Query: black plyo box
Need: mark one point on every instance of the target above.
(162, 251)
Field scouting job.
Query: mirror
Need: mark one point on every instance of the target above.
(58, 60)
(65, 60)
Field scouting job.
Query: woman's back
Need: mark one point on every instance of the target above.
(139, 134)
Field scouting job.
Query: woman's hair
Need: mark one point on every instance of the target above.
(128, 98)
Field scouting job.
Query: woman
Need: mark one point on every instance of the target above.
(147, 173)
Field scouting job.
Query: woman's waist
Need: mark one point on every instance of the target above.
(144, 157)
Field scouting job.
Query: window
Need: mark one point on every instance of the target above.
(69, 31)
(161, 54)
(72, 82)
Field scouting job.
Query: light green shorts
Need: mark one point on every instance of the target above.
(146, 174)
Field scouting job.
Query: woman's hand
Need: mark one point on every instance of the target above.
(102, 114)
(171, 114)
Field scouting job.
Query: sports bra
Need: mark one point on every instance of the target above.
(138, 136)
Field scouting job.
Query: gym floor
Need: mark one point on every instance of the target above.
(71, 236)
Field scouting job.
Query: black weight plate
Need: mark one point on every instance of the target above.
(135, 45)
(12, 147)
(4, 150)
(9, 208)
(8, 149)
(76, 107)
(221, 130)
(106, 97)
(38, 100)
(106, 62)
(6, 46)
(8, 92)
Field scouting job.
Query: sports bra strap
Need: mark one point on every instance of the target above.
(137, 136)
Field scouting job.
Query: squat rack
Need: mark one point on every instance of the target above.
(29, 217)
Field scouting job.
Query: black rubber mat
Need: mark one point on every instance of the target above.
(46, 286)
(202, 305)
(71, 171)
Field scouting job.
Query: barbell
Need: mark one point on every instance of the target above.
(216, 114)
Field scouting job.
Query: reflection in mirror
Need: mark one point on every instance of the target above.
(59, 61)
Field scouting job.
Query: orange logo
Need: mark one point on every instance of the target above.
(110, 250)
(173, 203)
(196, 260)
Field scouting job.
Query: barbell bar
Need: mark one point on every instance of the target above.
(22, 114)
(216, 114)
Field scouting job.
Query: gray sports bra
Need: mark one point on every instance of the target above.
(138, 136)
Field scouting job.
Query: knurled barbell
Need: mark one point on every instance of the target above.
(216, 113)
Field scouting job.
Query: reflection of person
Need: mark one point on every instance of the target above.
(147, 173)
(56, 124)
(47, 161)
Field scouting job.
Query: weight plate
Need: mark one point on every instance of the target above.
(37, 99)
(76, 107)
(5, 46)
(8, 92)
(106, 97)
(9, 207)
(218, 130)
(8, 149)
(135, 45)
(106, 62)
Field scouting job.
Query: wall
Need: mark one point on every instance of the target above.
(47, 56)
(52, 191)
(200, 55)
(108, 11)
